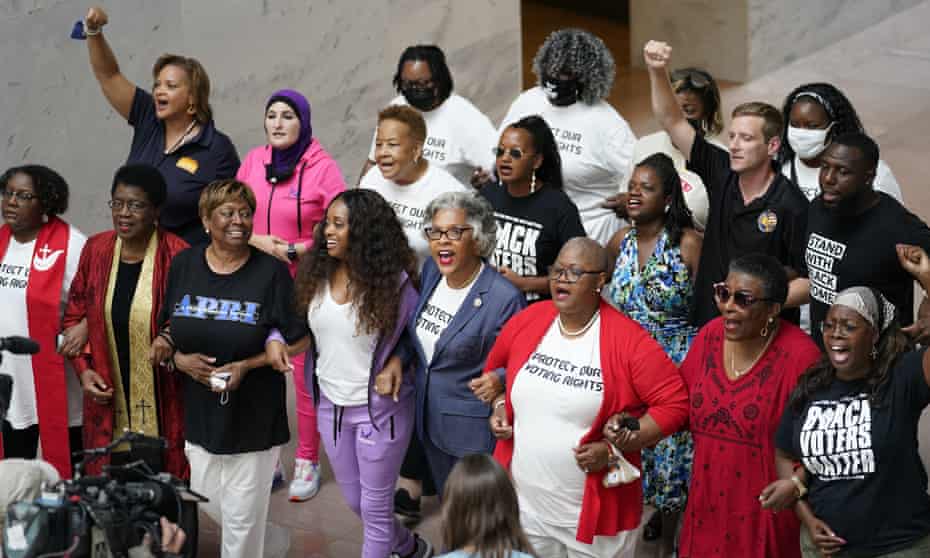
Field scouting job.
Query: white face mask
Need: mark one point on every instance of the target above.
(806, 143)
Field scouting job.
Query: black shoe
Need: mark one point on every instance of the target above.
(652, 531)
(407, 507)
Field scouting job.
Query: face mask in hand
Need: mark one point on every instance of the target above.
(420, 99)
(808, 144)
(561, 92)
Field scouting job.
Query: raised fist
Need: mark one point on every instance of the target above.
(657, 54)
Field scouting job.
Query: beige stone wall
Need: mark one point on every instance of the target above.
(340, 53)
(740, 40)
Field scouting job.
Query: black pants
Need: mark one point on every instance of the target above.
(24, 443)
(415, 466)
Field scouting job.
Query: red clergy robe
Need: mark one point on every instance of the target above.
(88, 299)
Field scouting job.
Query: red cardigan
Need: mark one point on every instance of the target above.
(638, 378)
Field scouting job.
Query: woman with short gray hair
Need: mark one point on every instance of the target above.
(463, 305)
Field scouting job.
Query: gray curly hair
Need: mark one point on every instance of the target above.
(478, 214)
(582, 54)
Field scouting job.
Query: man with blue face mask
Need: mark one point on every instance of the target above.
(852, 234)
(815, 114)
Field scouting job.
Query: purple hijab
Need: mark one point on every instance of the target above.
(283, 161)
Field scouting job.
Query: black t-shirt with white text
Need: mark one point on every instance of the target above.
(772, 224)
(531, 230)
(228, 317)
(859, 251)
(865, 476)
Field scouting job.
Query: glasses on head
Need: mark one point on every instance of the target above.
(570, 274)
(693, 78)
(20, 196)
(419, 84)
(722, 294)
(514, 152)
(133, 205)
(452, 233)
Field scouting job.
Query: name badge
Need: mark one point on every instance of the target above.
(188, 164)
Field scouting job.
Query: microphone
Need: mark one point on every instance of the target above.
(19, 345)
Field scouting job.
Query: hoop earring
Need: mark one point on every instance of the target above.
(765, 328)
(533, 182)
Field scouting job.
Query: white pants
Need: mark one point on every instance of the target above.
(552, 541)
(239, 489)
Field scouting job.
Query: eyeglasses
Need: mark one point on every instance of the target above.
(696, 79)
(844, 328)
(722, 294)
(20, 196)
(452, 233)
(515, 152)
(133, 205)
(572, 274)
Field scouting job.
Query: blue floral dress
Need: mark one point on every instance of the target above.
(659, 298)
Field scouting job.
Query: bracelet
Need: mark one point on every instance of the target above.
(799, 485)
(90, 32)
(499, 403)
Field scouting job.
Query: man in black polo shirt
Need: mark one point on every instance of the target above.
(753, 208)
(852, 232)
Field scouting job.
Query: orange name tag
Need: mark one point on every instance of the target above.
(188, 164)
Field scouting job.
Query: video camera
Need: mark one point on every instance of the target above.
(102, 516)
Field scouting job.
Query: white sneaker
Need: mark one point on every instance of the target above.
(306, 481)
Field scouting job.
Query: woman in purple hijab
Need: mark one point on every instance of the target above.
(294, 179)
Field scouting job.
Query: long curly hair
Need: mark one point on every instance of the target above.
(837, 106)
(581, 54)
(550, 172)
(678, 217)
(377, 253)
(892, 343)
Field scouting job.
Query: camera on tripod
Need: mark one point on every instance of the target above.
(102, 516)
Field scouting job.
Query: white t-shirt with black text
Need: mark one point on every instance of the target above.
(438, 312)
(596, 145)
(459, 137)
(556, 396)
(15, 268)
(343, 366)
(410, 201)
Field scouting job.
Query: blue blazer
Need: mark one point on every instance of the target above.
(446, 409)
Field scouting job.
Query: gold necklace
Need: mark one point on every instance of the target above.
(577, 333)
(737, 372)
(469, 281)
(177, 144)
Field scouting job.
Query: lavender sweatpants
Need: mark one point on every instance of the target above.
(366, 463)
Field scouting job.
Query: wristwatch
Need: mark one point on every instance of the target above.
(292, 252)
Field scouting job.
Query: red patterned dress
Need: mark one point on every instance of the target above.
(733, 423)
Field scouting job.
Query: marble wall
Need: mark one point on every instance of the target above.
(340, 53)
(739, 40)
(781, 32)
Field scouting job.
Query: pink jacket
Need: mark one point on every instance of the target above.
(316, 181)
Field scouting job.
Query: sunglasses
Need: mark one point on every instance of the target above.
(691, 78)
(514, 152)
(722, 294)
